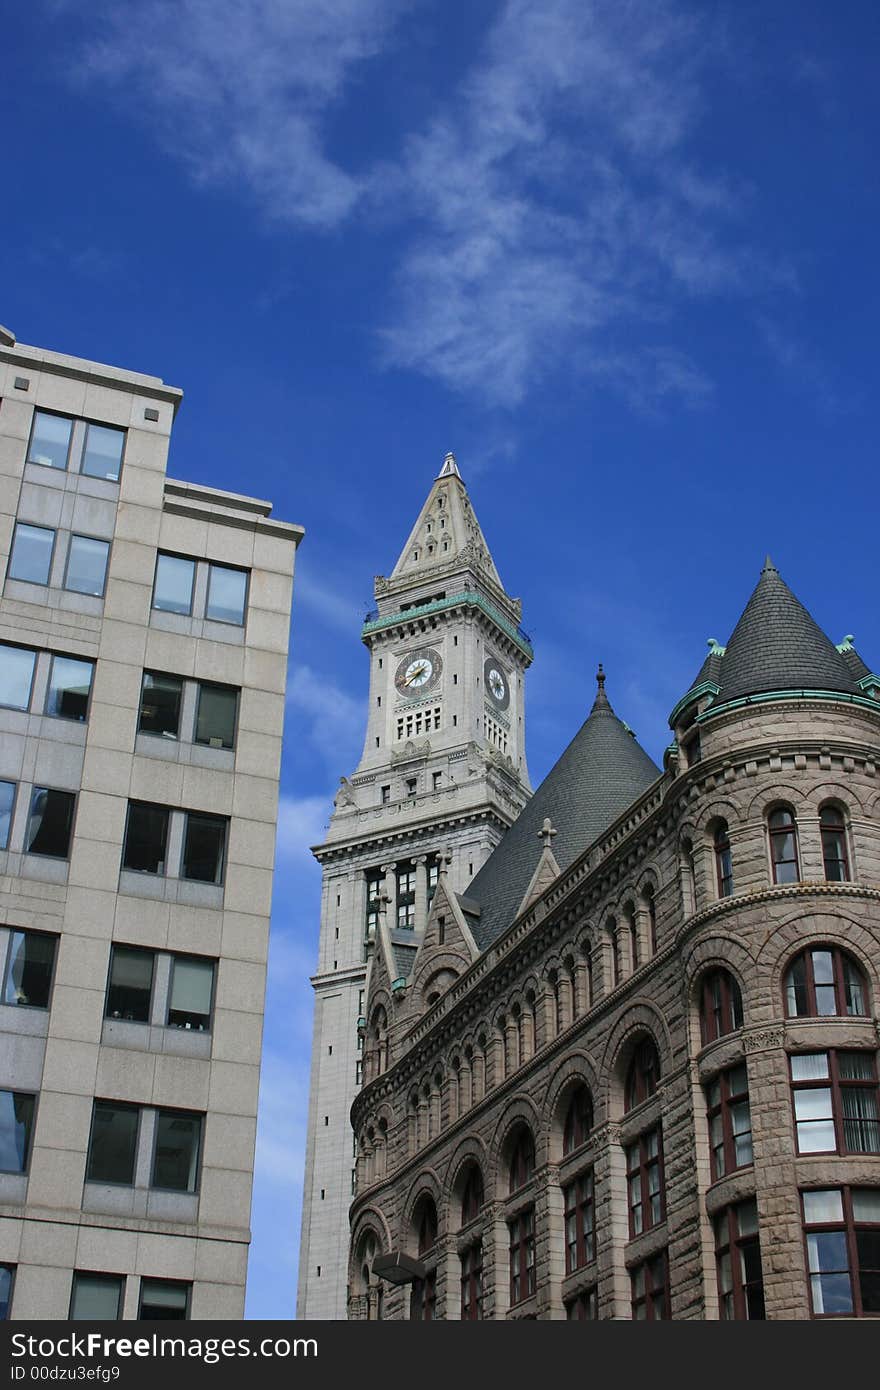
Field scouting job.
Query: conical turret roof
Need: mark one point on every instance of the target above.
(602, 772)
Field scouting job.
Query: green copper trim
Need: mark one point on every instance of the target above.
(704, 688)
(468, 596)
(871, 681)
(769, 696)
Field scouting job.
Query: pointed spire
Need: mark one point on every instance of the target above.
(769, 567)
(446, 532)
(450, 467)
(601, 701)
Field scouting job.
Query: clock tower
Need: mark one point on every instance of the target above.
(443, 769)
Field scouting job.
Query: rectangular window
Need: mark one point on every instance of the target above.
(7, 803)
(163, 1301)
(161, 698)
(87, 566)
(650, 1289)
(192, 990)
(50, 823)
(583, 1308)
(50, 440)
(130, 986)
(16, 676)
(730, 1122)
(227, 594)
(31, 557)
(204, 845)
(522, 1256)
(102, 454)
(644, 1176)
(216, 715)
(113, 1144)
(70, 686)
(842, 1227)
(29, 965)
(435, 781)
(7, 1279)
(96, 1297)
(384, 795)
(173, 586)
(835, 1098)
(738, 1262)
(423, 1299)
(146, 837)
(579, 1222)
(16, 1130)
(176, 1157)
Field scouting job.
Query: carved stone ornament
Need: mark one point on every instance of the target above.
(764, 1040)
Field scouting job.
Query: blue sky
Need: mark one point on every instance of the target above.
(621, 257)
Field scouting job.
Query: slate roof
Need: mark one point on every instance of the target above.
(777, 645)
(602, 772)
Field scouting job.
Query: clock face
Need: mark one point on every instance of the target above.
(418, 672)
(497, 683)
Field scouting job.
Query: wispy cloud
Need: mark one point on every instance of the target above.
(802, 365)
(301, 823)
(328, 603)
(335, 719)
(240, 89)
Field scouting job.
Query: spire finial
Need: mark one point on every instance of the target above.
(769, 567)
(600, 677)
(546, 833)
(601, 700)
(450, 467)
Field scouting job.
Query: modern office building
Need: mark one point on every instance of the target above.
(143, 655)
(630, 1069)
(442, 776)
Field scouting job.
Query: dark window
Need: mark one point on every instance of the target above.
(146, 837)
(578, 1120)
(833, 831)
(227, 594)
(427, 1228)
(16, 1130)
(522, 1255)
(113, 1146)
(584, 1307)
(385, 795)
(693, 750)
(652, 919)
(70, 685)
(823, 982)
(842, 1228)
(580, 1227)
(644, 1074)
(7, 1279)
(835, 1102)
(16, 676)
(406, 898)
(87, 565)
(721, 1010)
(650, 1289)
(50, 822)
(192, 990)
(783, 846)
(730, 1121)
(50, 440)
(96, 1297)
(738, 1262)
(130, 986)
(163, 1301)
(723, 861)
(102, 455)
(423, 1299)
(204, 843)
(173, 587)
(161, 698)
(176, 1157)
(7, 803)
(472, 1197)
(31, 557)
(216, 715)
(29, 967)
(472, 1282)
(644, 1180)
(522, 1163)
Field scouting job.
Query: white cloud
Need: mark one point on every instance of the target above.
(337, 609)
(302, 822)
(240, 89)
(335, 719)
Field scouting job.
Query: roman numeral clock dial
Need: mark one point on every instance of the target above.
(418, 672)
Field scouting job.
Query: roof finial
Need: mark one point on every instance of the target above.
(601, 700)
(600, 677)
(769, 567)
(450, 467)
(546, 833)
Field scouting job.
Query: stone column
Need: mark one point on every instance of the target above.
(421, 893)
(566, 1007)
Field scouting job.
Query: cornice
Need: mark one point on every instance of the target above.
(468, 598)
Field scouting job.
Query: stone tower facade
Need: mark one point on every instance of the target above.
(442, 776)
(650, 1086)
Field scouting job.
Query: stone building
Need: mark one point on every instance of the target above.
(143, 653)
(443, 770)
(630, 1070)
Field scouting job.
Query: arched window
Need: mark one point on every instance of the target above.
(472, 1195)
(423, 1297)
(723, 860)
(632, 925)
(522, 1162)
(651, 905)
(471, 1258)
(783, 845)
(824, 982)
(427, 1225)
(721, 1009)
(832, 828)
(643, 1074)
(578, 1120)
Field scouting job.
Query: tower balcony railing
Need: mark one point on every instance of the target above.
(373, 622)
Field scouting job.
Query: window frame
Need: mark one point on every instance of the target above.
(220, 879)
(57, 858)
(521, 1246)
(21, 647)
(839, 960)
(39, 583)
(836, 1086)
(583, 1306)
(236, 569)
(579, 1217)
(84, 661)
(167, 676)
(34, 1097)
(102, 425)
(841, 831)
(116, 946)
(176, 1113)
(79, 1274)
(651, 1290)
(729, 1005)
(646, 1163)
(167, 1283)
(86, 593)
(193, 562)
(723, 860)
(575, 1133)
(849, 1226)
(213, 962)
(778, 834)
(129, 1106)
(642, 1082)
(55, 415)
(235, 691)
(28, 931)
(733, 1245)
(471, 1262)
(723, 1110)
(132, 869)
